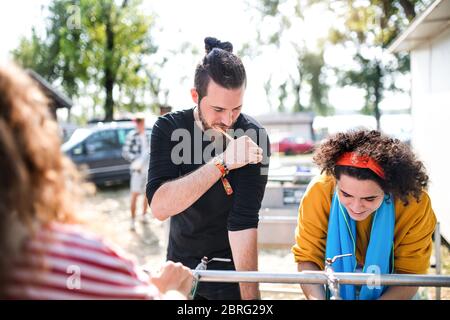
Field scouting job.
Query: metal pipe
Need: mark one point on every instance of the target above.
(319, 277)
(437, 249)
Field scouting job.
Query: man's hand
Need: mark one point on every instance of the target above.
(241, 152)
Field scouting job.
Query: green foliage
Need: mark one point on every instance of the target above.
(268, 7)
(365, 26)
(313, 65)
(370, 28)
(309, 72)
(32, 53)
(95, 44)
(282, 97)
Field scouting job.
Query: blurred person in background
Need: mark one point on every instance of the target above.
(137, 151)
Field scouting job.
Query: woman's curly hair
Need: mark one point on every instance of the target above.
(404, 174)
(38, 183)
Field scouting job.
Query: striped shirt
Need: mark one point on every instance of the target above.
(66, 262)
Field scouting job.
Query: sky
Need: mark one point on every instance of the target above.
(191, 21)
(17, 17)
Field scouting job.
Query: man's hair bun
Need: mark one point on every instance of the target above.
(211, 43)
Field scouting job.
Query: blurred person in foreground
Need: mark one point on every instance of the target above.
(45, 254)
(371, 202)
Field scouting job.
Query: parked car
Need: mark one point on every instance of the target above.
(292, 145)
(97, 151)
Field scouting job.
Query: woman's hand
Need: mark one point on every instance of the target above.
(173, 276)
(311, 291)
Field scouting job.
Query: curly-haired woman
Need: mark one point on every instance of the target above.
(43, 254)
(369, 201)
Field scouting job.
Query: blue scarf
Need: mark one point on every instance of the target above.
(341, 239)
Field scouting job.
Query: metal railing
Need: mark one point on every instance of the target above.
(320, 277)
(329, 277)
(437, 248)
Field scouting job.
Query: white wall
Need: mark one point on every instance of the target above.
(277, 124)
(296, 130)
(430, 67)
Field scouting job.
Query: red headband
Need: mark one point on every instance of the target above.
(353, 160)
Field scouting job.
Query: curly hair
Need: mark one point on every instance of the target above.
(405, 175)
(38, 183)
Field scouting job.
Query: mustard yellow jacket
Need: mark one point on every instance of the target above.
(414, 226)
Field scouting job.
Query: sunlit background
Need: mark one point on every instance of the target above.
(283, 45)
(314, 67)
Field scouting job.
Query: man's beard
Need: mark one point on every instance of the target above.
(216, 137)
(203, 121)
(207, 127)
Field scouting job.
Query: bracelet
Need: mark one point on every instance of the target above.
(227, 171)
(227, 186)
(220, 164)
(191, 294)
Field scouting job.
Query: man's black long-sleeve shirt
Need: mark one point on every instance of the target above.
(178, 147)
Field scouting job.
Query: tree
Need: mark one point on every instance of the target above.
(33, 53)
(313, 66)
(370, 27)
(95, 44)
(307, 76)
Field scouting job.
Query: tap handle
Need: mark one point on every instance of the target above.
(340, 256)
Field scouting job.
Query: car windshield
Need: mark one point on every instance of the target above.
(78, 136)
